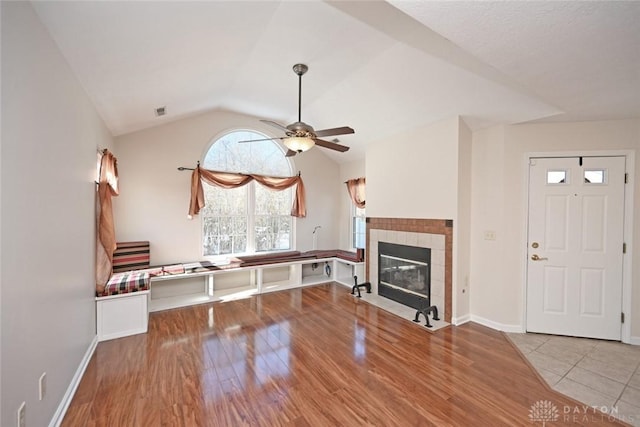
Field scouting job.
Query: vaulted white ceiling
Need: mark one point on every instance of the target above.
(375, 66)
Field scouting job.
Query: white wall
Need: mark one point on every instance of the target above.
(499, 204)
(154, 195)
(415, 174)
(50, 133)
(492, 296)
(462, 226)
(1, 70)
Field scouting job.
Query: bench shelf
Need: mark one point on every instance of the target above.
(130, 311)
(242, 282)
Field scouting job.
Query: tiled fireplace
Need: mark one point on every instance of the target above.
(433, 234)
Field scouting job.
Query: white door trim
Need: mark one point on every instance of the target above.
(627, 265)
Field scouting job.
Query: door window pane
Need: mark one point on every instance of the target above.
(594, 176)
(557, 177)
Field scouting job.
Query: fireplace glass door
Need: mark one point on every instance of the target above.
(412, 276)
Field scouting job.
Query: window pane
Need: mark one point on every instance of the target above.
(225, 244)
(556, 177)
(273, 219)
(211, 233)
(359, 232)
(594, 176)
(263, 157)
(263, 233)
(224, 235)
(224, 202)
(283, 237)
(239, 243)
(224, 221)
(358, 228)
(225, 225)
(239, 226)
(269, 202)
(273, 232)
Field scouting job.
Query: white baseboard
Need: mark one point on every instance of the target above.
(462, 319)
(73, 386)
(634, 340)
(495, 325)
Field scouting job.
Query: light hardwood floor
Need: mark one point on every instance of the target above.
(311, 357)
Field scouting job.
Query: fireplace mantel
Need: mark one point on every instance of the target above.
(436, 234)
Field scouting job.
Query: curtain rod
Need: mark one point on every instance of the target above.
(346, 182)
(182, 168)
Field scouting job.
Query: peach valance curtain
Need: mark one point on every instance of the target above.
(106, 238)
(234, 180)
(356, 189)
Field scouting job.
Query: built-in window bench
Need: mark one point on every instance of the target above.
(187, 284)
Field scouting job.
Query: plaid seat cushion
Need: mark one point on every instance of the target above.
(131, 256)
(124, 283)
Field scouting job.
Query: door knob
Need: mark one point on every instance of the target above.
(535, 257)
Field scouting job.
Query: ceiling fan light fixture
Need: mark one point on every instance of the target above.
(298, 143)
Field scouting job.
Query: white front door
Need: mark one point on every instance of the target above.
(575, 246)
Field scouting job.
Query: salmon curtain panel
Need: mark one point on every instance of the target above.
(106, 238)
(356, 189)
(235, 180)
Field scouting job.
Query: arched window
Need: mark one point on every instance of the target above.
(251, 218)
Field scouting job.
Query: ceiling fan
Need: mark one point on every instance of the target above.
(301, 136)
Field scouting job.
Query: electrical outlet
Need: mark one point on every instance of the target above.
(489, 235)
(22, 415)
(42, 386)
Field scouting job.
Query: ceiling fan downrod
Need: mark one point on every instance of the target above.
(300, 69)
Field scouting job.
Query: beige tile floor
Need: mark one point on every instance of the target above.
(604, 374)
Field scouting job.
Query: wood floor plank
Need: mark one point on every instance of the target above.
(308, 357)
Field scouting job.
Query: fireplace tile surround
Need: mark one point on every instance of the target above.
(436, 234)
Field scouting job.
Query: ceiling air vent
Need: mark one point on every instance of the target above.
(161, 111)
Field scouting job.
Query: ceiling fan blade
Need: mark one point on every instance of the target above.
(290, 153)
(331, 145)
(265, 139)
(275, 125)
(335, 131)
